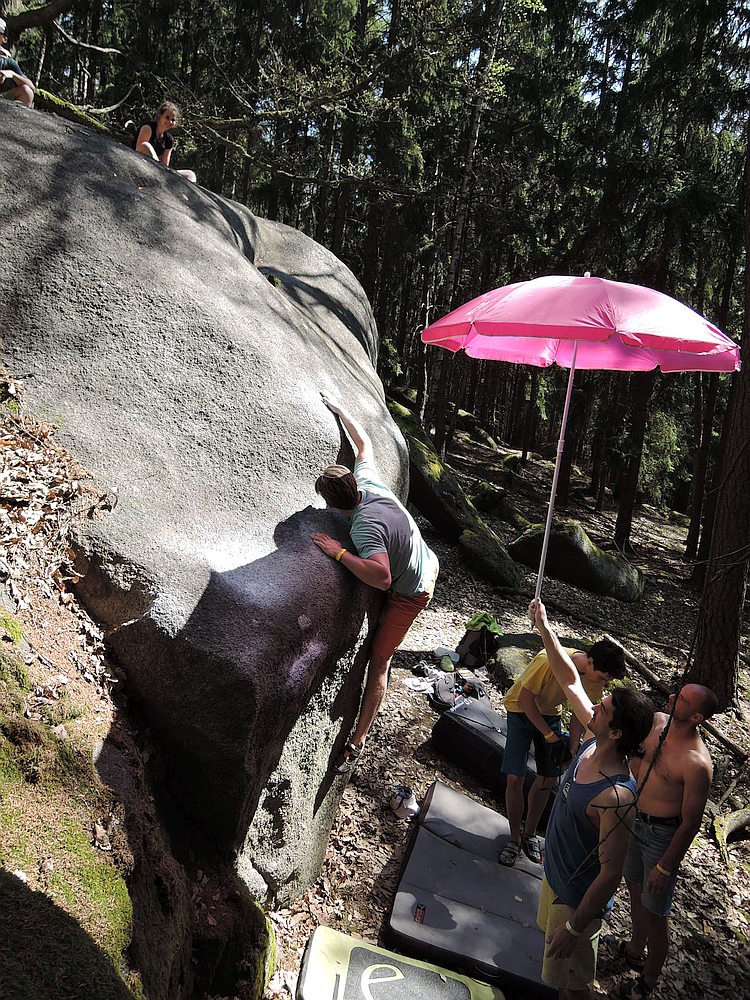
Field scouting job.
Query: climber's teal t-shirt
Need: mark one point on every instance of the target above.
(381, 524)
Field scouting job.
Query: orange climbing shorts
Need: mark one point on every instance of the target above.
(396, 618)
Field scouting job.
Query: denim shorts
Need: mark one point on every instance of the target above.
(647, 846)
(521, 734)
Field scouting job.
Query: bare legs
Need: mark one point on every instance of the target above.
(189, 174)
(377, 682)
(24, 94)
(648, 930)
(514, 804)
(538, 796)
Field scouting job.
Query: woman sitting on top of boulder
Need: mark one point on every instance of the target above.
(156, 140)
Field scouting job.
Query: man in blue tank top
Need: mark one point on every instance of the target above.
(589, 829)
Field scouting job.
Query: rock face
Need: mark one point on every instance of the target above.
(491, 500)
(573, 557)
(437, 495)
(140, 311)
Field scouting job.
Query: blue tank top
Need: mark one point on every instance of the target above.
(571, 861)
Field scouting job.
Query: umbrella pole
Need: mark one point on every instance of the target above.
(558, 462)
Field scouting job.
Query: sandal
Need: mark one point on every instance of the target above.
(532, 848)
(635, 989)
(509, 854)
(346, 761)
(619, 949)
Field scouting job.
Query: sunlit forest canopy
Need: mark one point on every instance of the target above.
(445, 147)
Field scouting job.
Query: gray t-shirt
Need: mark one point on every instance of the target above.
(381, 524)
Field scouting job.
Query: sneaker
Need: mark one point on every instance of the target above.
(346, 761)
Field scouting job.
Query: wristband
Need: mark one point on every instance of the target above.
(572, 930)
(551, 737)
(338, 555)
(659, 868)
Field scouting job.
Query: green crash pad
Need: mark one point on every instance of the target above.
(338, 967)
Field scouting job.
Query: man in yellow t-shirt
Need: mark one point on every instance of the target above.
(534, 705)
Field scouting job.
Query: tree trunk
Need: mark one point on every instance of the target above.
(643, 385)
(529, 437)
(700, 461)
(716, 662)
(702, 503)
(441, 422)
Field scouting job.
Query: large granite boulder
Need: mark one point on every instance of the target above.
(180, 344)
(573, 557)
(491, 500)
(437, 495)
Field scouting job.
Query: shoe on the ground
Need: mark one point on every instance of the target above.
(509, 854)
(618, 948)
(634, 989)
(532, 848)
(346, 761)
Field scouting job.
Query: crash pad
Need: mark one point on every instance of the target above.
(455, 904)
(338, 967)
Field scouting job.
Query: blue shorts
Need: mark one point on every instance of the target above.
(521, 734)
(647, 846)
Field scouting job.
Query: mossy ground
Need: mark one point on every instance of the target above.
(50, 797)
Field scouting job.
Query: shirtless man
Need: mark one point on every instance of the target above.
(589, 829)
(670, 810)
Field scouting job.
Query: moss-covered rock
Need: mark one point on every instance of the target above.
(491, 500)
(471, 425)
(573, 557)
(677, 517)
(516, 650)
(436, 494)
(51, 103)
(488, 558)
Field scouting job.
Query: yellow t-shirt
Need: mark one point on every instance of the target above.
(539, 679)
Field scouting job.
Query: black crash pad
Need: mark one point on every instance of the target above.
(473, 735)
(455, 904)
(338, 967)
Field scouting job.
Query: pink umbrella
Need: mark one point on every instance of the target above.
(589, 323)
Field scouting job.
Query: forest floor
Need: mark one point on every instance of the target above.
(711, 917)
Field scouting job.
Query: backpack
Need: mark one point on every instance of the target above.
(478, 647)
(452, 687)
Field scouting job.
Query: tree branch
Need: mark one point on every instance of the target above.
(89, 110)
(83, 45)
(37, 17)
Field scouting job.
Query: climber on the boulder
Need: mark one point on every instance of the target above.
(14, 84)
(155, 139)
(391, 555)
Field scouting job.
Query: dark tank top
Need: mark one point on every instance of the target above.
(571, 861)
(160, 143)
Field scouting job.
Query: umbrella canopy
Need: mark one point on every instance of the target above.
(589, 323)
(609, 325)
